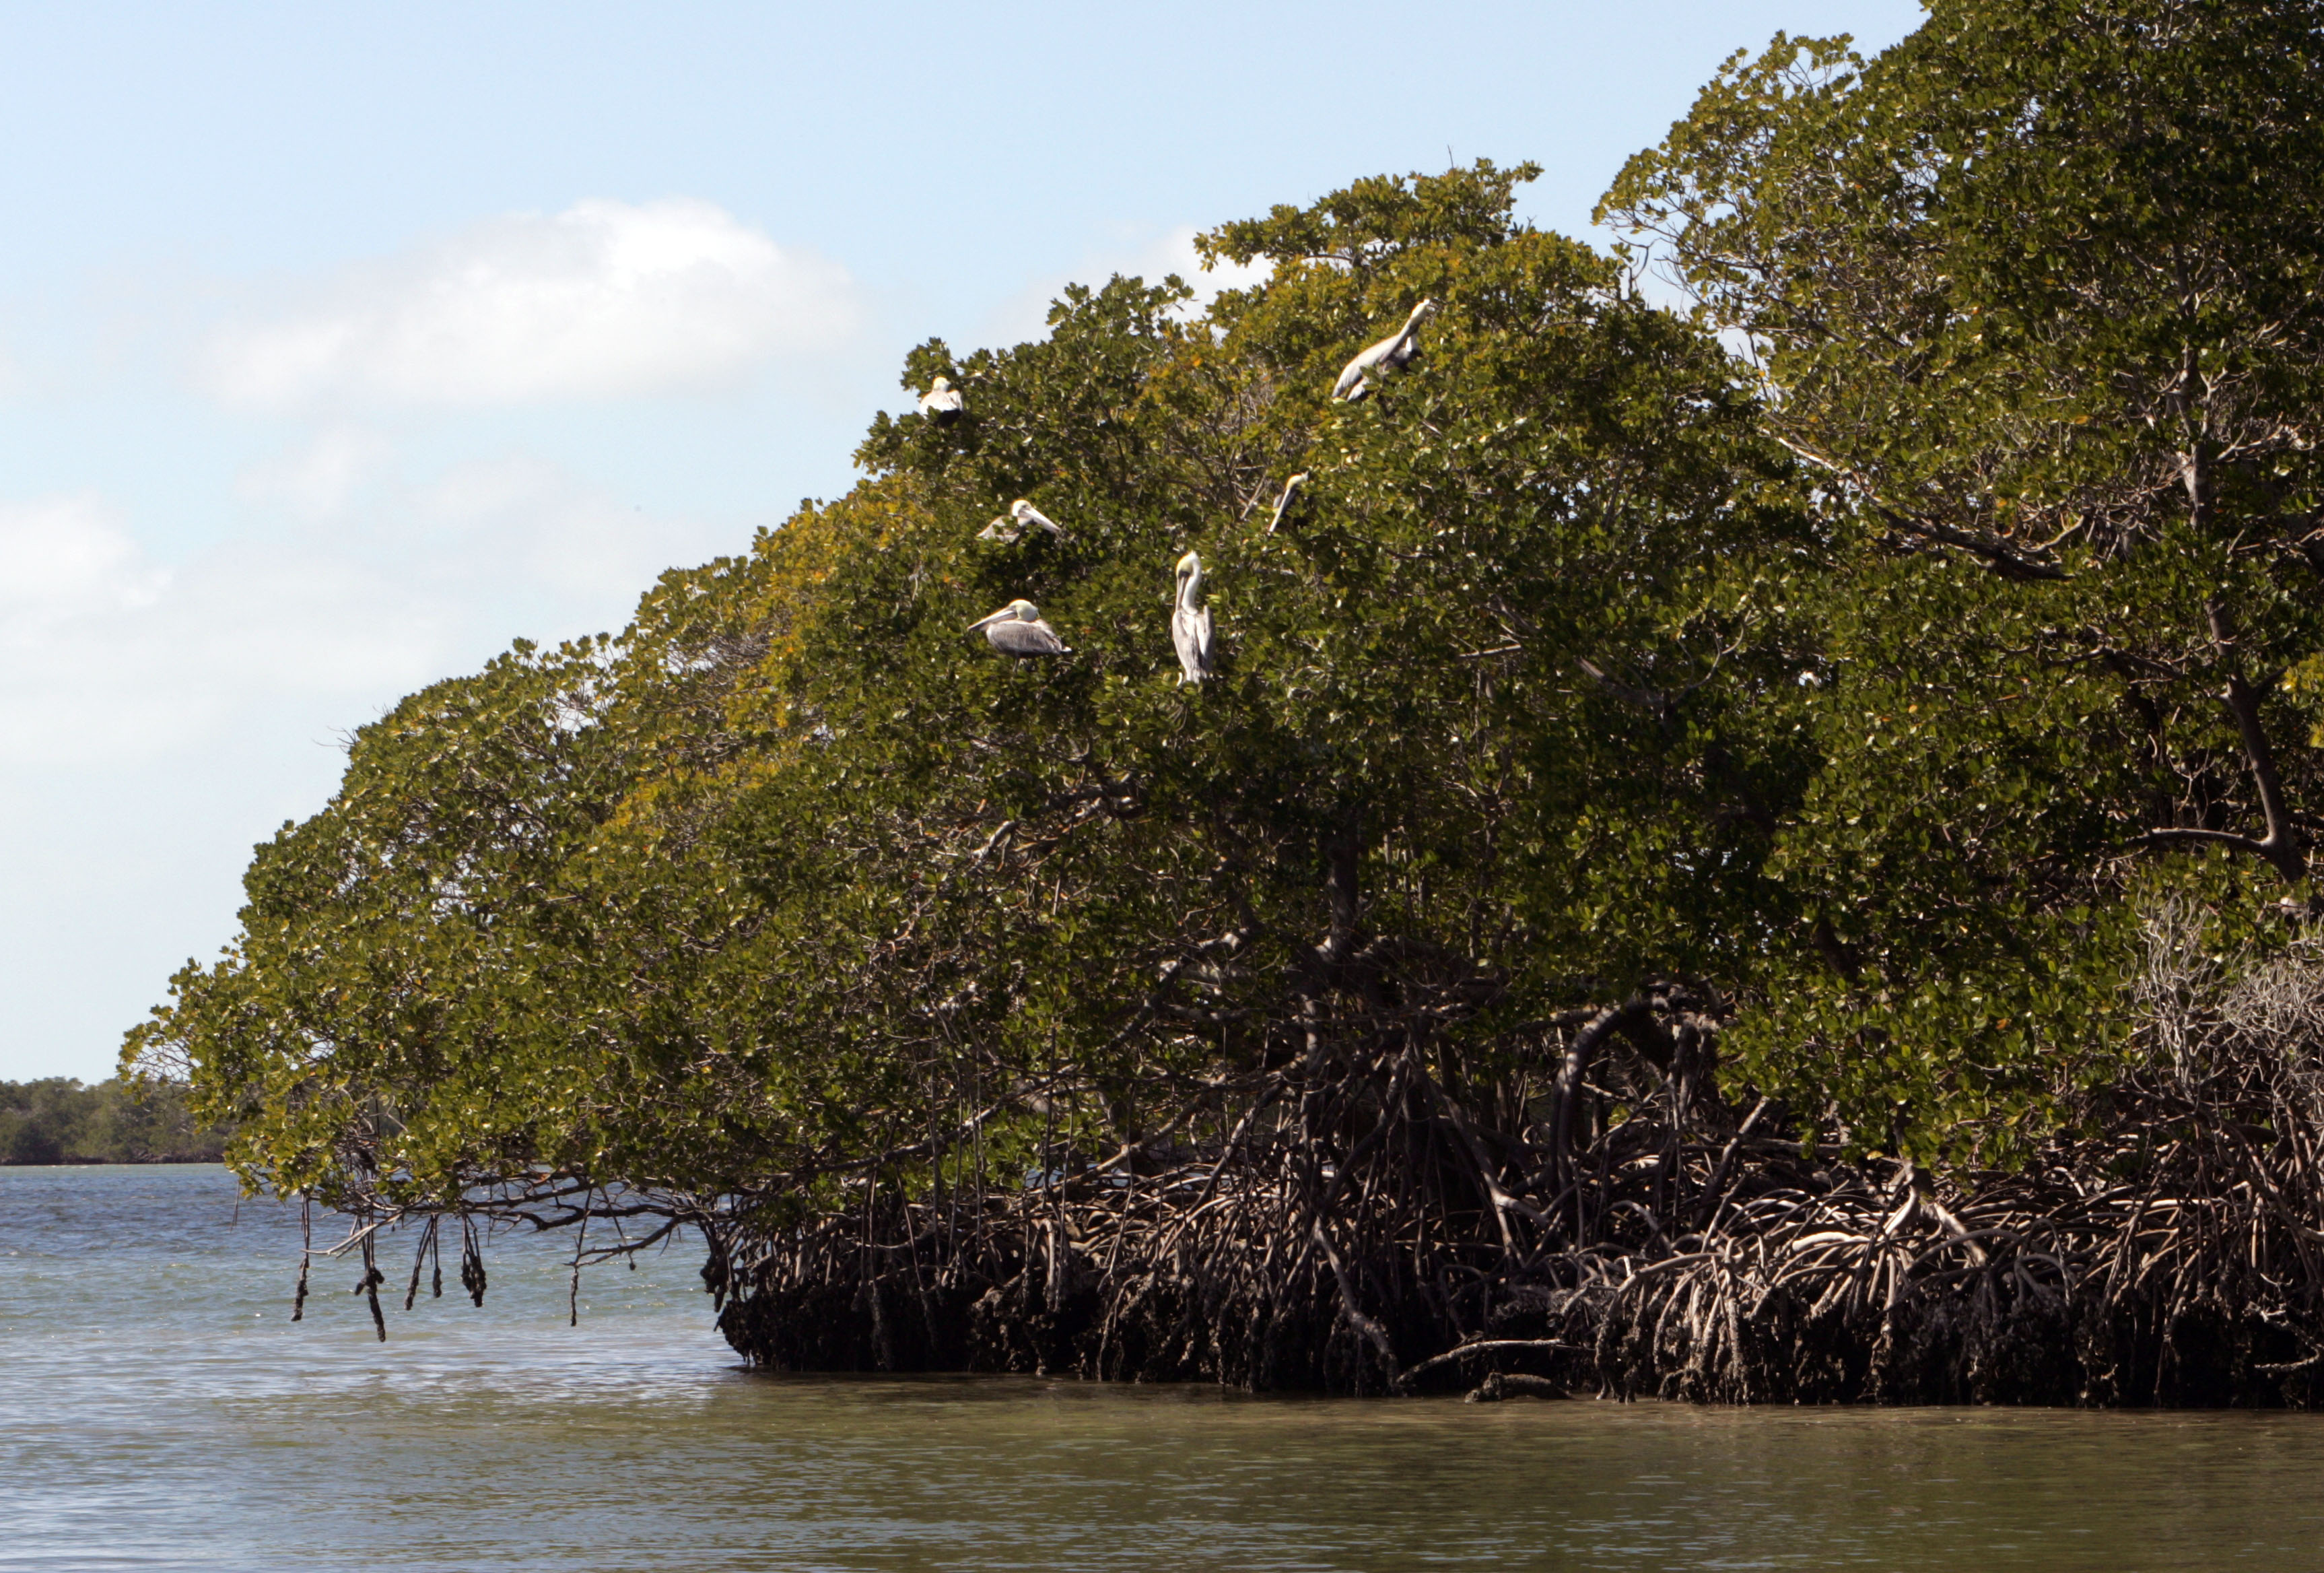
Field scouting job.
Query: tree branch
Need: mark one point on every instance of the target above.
(2282, 846)
(2003, 559)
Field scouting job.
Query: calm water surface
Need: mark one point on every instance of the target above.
(157, 1410)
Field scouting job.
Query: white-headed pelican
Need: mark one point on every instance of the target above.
(1017, 630)
(941, 404)
(1392, 354)
(1190, 623)
(1024, 513)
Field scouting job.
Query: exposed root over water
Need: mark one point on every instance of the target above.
(1804, 1281)
(1372, 1230)
(1371, 1222)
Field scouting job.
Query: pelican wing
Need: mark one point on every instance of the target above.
(1023, 639)
(1351, 376)
(1191, 632)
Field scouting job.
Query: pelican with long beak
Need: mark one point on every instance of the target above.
(1024, 514)
(941, 404)
(1017, 630)
(1392, 354)
(1021, 516)
(1190, 623)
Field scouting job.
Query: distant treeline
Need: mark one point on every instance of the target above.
(57, 1120)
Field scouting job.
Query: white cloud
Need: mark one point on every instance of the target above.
(108, 659)
(1175, 254)
(64, 556)
(605, 299)
(575, 545)
(319, 477)
(1025, 315)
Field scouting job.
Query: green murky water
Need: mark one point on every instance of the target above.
(157, 1410)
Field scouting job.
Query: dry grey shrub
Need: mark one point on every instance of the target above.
(2210, 1014)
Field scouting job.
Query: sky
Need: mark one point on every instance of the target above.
(340, 346)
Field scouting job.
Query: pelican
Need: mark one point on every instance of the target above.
(1190, 623)
(1024, 514)
(1017, 630)
(1283, 503)
(1392, 354)
(941, 404)
(999, 529)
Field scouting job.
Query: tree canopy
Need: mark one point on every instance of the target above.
(753, 882)
(2034, 297)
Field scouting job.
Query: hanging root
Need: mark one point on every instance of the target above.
(306, 1256)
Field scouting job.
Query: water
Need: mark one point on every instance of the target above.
(157, 1410)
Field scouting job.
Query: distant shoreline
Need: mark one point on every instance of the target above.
(164, 1161)
(60, 1121)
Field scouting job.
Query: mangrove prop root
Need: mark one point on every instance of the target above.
(1506, 1384)
(1361, 1219)
(1623, 1230)
(1820, 1282)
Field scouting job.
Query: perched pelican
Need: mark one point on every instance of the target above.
(1190, 623)
(1021, 516)
(1283, 503)
(1017, 630)
(1024, 514)
(941, 404)
(1392, 354)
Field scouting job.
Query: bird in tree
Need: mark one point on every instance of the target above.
(942, 402)
(1190, 623)
(1028, 515)
(1021, 516)
(1017, 630)
(1283, 503)
(1392, 354)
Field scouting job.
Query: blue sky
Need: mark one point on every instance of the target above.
(341, 344)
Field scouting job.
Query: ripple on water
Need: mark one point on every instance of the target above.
(157, 1410)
